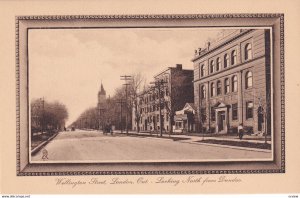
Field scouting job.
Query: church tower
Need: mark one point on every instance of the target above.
(101, 96)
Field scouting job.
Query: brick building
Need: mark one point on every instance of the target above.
(232, 83)
(176, 91)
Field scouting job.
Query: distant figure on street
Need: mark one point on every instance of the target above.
(240, 131)
(110, 128)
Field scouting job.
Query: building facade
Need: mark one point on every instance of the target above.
(185, 119)
(175, 88)
(232, 83)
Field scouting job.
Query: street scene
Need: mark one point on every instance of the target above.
(84, 145)
(162, 94)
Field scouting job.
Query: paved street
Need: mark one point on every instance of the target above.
(93, 145)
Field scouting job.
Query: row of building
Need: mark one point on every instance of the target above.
(230, 85)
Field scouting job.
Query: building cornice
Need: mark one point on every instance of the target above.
(222, 44)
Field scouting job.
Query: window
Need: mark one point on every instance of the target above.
(203, 114)
(219, 88)
(218, 66)
(167, 92)
(233, 57)
(234, 84)
(249, 110)
(203, 70)
(203, 92)
(226, 61)
(249, 79)
(212, 89)
(212, 66)
(248, 51)
(212, 114)
(226, 86)
(234, 111)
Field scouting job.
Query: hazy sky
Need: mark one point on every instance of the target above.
(68, 64)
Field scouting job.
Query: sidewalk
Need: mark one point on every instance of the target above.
(248, 141)
(199, 136)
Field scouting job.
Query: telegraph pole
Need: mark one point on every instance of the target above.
(126, 78)
(121, 101)
(158, 85)
(43, 114)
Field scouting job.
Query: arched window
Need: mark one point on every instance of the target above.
(218, 66)
(203, 92)
(234, 84)
(212, 89)
(226, 86)
(233, 57)
(226, 61)
(212, 66)
(219, 88)
(248, 51)
(203, 70)
(249, 79)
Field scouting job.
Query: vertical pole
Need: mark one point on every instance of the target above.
(121, 126)
(266, 112)
(160, 120)
(126, 111)
(43, 115)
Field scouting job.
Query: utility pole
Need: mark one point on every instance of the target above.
(268, 101)
(121, 102)
(43, 114)
(126, 78)
(158, 85)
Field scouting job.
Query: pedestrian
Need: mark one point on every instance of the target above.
(240, 131)
(110, 129)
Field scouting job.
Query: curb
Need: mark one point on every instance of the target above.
(41, 145)
(215, 145)
(233, 147)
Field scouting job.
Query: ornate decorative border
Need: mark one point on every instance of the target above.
(282, 88)
(150, 16)
(17, 96)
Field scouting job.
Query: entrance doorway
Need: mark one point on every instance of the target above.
(221, 120)
(146, 124)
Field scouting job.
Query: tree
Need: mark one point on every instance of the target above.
(138, 81)
(47, 116)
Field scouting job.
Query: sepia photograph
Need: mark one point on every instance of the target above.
(150, 94)
(168, 98)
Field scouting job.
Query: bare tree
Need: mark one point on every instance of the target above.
(47, 116)
(138, 82)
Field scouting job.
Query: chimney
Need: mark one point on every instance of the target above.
(179, 66)
(208, 45)
(199, 50)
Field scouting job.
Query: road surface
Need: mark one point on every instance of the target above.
(82, 145)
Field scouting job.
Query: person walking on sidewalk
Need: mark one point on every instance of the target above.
(240, 131)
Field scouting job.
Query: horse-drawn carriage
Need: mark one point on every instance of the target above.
(107, 129)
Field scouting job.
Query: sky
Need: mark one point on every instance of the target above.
(68, 65)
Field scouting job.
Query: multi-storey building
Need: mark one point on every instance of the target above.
(176, 89)
(232, 83)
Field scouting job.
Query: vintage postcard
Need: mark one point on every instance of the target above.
(151, 89)
(164, 101)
